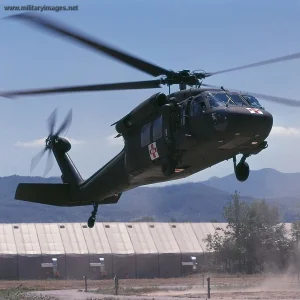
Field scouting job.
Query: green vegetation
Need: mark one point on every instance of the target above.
(254, 240)
(21, 294)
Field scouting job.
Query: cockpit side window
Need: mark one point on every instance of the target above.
(213, 103)
(217, 99)
(198, 106)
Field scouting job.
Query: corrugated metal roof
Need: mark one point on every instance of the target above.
(73, 238)
(96, 239)
(202, 230)
(186, 238)
(50, 239)
(7, 241)
(26, 239)
(141, 238)
(163, 238)
(118, 238)
(34, 239)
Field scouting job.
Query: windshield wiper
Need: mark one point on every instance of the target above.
(228, 97)
(242, 97)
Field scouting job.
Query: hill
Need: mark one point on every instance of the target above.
(194, 202)
(185, 202)
(264, 183)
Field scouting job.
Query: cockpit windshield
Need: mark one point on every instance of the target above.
(252, 101)
(219, 99)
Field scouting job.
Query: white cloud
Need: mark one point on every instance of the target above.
(115, 141)
(41, 142)
(285, 131)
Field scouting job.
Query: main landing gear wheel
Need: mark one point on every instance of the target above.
(92, 218)
(242, 169)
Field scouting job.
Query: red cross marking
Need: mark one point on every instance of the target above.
(255, 111)
(153, 151)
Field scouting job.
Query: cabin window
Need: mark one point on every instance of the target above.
(145, 135)
(157, 128)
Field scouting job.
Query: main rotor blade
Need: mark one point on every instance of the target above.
(150, 84)
(261, 63)
(66, 123)
(65, 31)
(280, 100)
(36, 159)
(51, 121)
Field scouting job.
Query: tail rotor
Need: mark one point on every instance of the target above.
(52, 139)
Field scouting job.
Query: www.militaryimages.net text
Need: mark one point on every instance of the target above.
(40, 8)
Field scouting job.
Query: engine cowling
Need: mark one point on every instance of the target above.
(142, 111)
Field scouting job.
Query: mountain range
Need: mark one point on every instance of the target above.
(194, 202)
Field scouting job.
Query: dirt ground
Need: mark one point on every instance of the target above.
(222, 287)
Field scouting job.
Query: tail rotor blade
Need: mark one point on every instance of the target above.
(67, 129)
(66, 123)
(51, 121)
(36, 159)
(49, 164)
(51, 138)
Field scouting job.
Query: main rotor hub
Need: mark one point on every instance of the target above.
(184, 77)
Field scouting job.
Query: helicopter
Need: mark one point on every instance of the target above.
(166, 137)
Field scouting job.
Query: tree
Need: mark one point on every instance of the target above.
(294, 245)
(295, 231)
(254, 236)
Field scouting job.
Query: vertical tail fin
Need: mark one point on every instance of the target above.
(69, 172)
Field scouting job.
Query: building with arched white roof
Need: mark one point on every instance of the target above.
(128, 250)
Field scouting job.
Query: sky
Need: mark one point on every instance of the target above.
(188, 34)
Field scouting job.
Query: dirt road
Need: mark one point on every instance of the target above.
(228, 295)
(222, 287)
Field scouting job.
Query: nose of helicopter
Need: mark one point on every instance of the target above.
(248, 121)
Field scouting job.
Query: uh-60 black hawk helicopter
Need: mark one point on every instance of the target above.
(166, 137)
